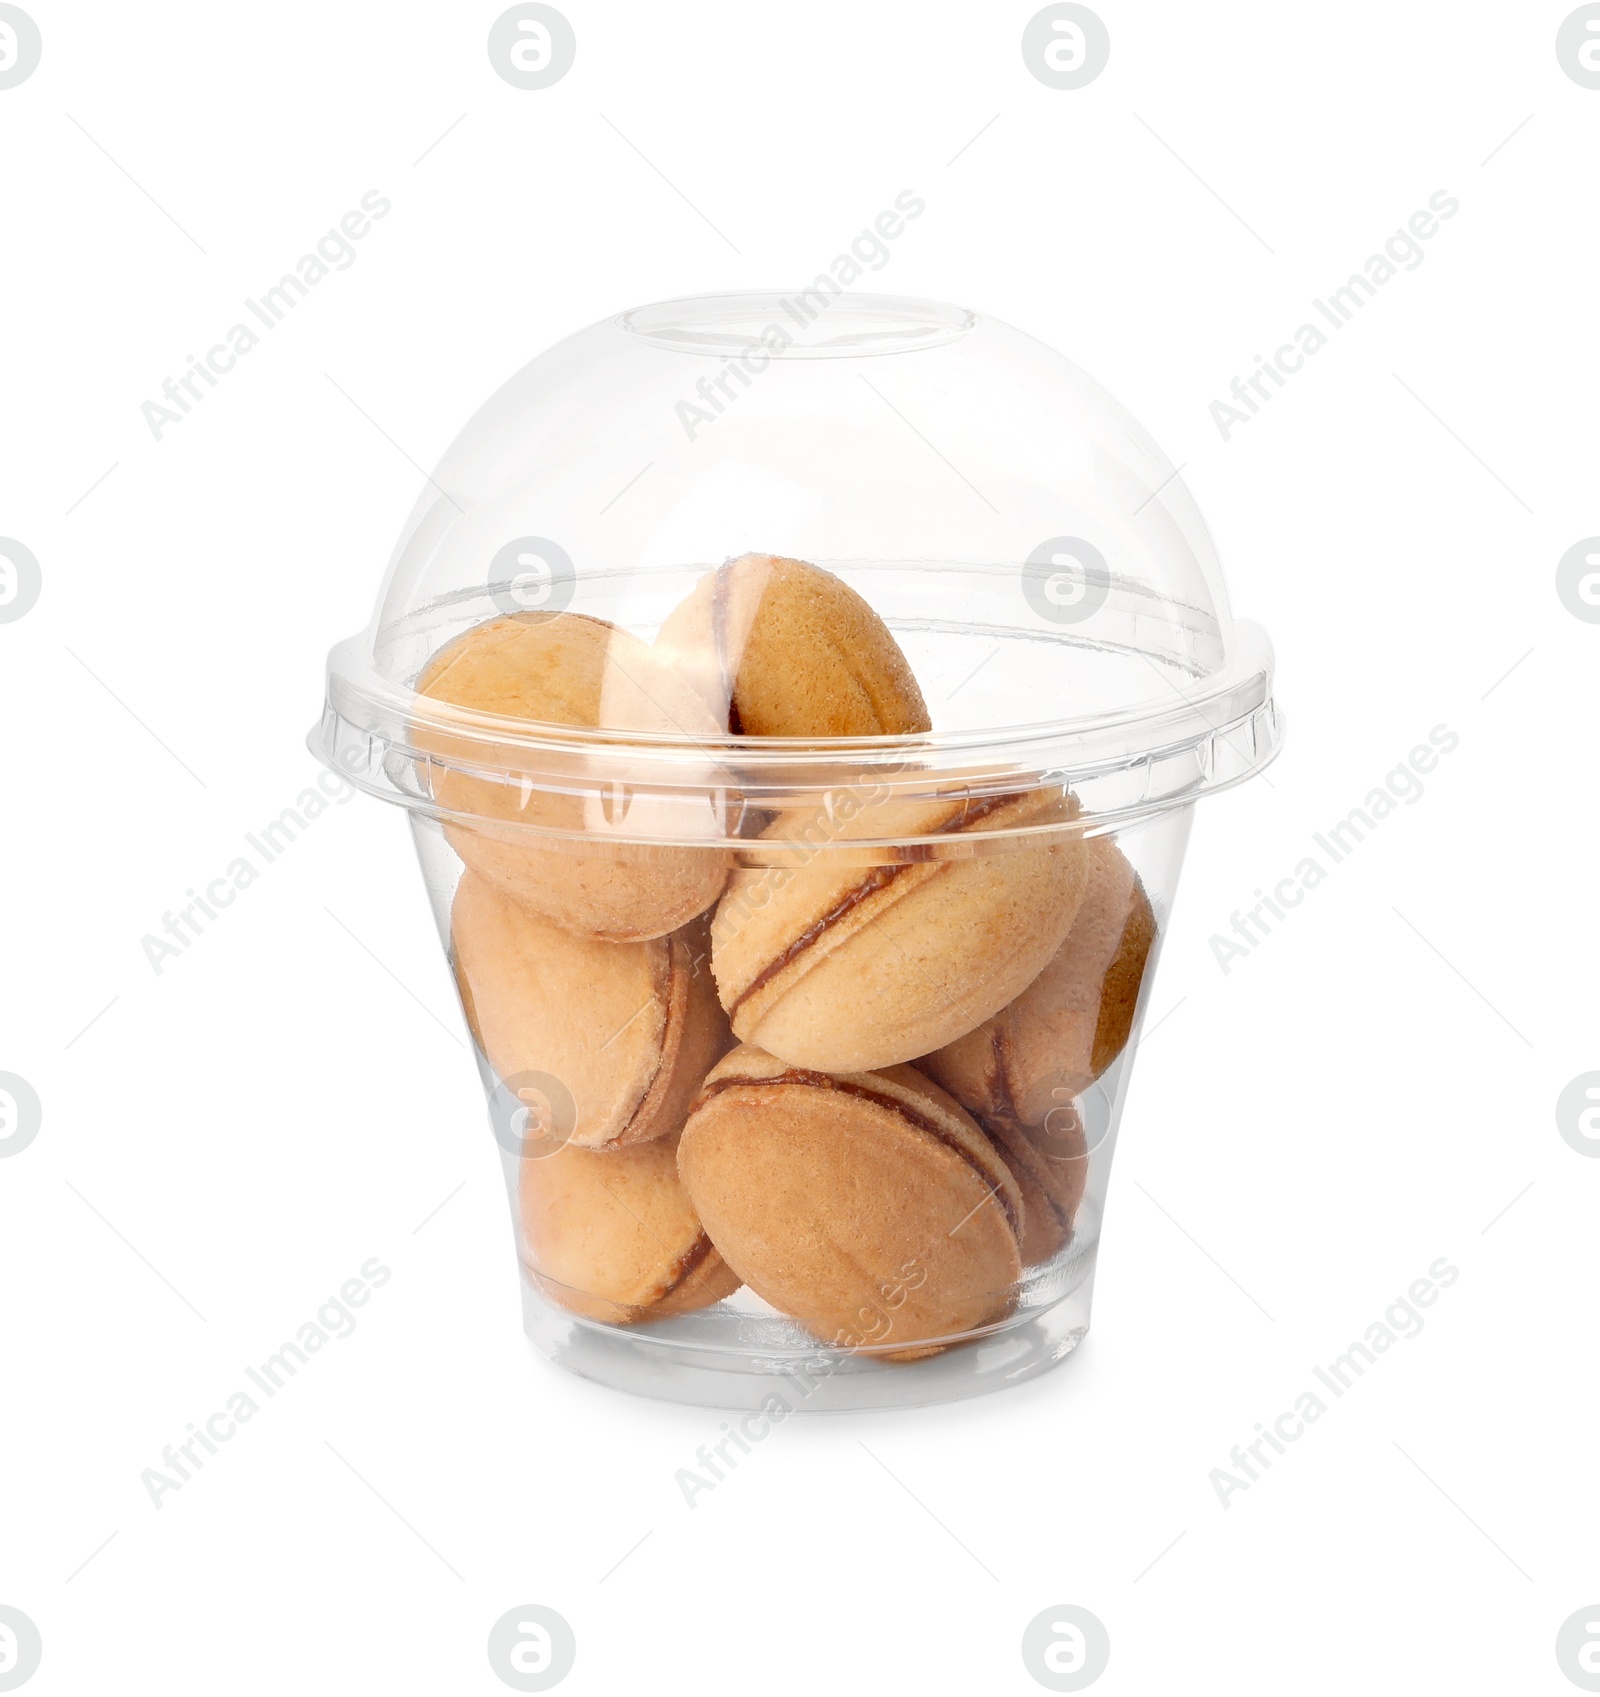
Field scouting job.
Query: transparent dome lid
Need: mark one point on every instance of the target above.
(1036, 556)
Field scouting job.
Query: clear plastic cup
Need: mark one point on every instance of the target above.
(619, 866)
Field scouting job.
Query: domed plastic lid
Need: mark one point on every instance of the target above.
(1037, 557)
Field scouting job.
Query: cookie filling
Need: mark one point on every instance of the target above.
(650, 1097)
(882, 1099)
(688, 1266)
(1024, 1159)
(879, 878)
(999, 1076)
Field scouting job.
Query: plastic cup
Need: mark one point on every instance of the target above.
(1048, 579)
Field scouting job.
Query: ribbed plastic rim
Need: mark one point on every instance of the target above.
(1165, 752)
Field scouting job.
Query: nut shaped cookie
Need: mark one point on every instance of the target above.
(629, 1029)
(1072, 1021)
(1050, 1163)
(781, 648)
(614, 1236)
(868, 1206)
(569, 669)
(848, 968)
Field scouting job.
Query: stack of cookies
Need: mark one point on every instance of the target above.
(840, 1074)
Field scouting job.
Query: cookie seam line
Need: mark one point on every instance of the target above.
(860, 895)
(619, 1141)
(917, 1121)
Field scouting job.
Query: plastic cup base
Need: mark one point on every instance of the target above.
(721, 1358)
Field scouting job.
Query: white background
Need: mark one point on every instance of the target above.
(1360, 1096)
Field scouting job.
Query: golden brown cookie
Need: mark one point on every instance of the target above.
(1119, 996)
(615, 1237)
(571, 670)
(628, 1029)
(868, 1206)
(780, 648)
(1050, 1163)
(848, 968)
(1072, 1021)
